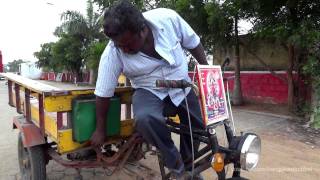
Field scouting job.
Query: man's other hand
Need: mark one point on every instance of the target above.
(97, 138)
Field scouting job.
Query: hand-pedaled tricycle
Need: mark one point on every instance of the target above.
(56, 123)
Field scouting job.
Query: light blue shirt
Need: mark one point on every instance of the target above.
(171, 34)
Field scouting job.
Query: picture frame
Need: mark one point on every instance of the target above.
(213, 99)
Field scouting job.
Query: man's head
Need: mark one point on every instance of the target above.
(126, 26)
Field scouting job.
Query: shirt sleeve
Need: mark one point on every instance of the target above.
(109, 71)
(189, 39)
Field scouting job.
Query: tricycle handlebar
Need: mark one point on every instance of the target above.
(173, 84)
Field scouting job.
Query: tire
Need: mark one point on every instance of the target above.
(32, 162)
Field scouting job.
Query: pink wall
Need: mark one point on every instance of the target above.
(67, 77)
(262, 86)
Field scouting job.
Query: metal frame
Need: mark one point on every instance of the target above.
(116, 160)
(209, 138)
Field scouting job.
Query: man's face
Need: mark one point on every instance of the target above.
(129, 42)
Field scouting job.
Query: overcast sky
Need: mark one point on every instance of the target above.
(26, 24)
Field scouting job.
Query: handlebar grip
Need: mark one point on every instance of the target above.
(173, 84)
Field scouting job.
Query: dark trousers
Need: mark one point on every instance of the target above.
(150, 123)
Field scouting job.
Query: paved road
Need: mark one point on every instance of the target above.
(283, 156)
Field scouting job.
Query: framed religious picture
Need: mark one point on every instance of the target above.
(212, 94)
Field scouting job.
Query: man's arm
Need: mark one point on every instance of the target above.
(102, 107)
(198, 53)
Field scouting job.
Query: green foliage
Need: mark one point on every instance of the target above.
(45, 58)
(311, 68)
(103, 4)
(290, 21)
(220, 25)
(194, 12)
(88, 27)
(93, 54)
(294, 23)
(316, 121)
(76, 33)
(14, 66)
(67, 53)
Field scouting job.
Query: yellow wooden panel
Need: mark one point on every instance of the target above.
(63, 103)
(58, 103)
(49, 122)
(66, 144)
(122, 79)
(78, 92)
(127, 127)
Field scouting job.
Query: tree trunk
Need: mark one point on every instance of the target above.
(237, 92)
(290, 78)
(92, 77)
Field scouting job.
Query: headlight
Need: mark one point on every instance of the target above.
(250, 148)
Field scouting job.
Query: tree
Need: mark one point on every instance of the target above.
(67, 53)
(295, 23)
(46, 59)
(88, 27)
(92, 56)
(311, 68)
(14, 66)
(223, 28)
(76, 35)
(103, 4)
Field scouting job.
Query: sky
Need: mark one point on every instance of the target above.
(26, 24)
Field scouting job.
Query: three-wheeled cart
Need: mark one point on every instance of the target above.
(56, 122)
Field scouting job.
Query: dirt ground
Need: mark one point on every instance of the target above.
(289, 151)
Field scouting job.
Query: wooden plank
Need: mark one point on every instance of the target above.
(30, 84)
(63, 103)
(51, 128)
(52, 88)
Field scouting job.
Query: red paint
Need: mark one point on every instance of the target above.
(41, 114)
(1, 63)
(66, 77)
(264, 87)
(31, 133)
(60, 120)
(51, 76)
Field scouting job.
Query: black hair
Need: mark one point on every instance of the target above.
(121, 17)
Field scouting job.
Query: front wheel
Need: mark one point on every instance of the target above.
(32, 162)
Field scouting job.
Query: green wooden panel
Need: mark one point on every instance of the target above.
(84, 118)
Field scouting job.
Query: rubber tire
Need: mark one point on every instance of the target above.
(36, 161)
(237, 178)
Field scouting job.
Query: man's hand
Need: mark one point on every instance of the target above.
(102, 106)
(97, 138)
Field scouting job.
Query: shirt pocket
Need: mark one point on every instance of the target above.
(177, 54)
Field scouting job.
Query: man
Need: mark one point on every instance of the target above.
(148, 47)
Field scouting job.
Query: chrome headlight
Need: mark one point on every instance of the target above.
(250, 148)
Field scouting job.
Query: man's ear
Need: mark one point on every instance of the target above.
(144, 31)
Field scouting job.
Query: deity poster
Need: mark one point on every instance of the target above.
(212, 94)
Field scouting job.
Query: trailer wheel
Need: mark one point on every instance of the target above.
(32, 162)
